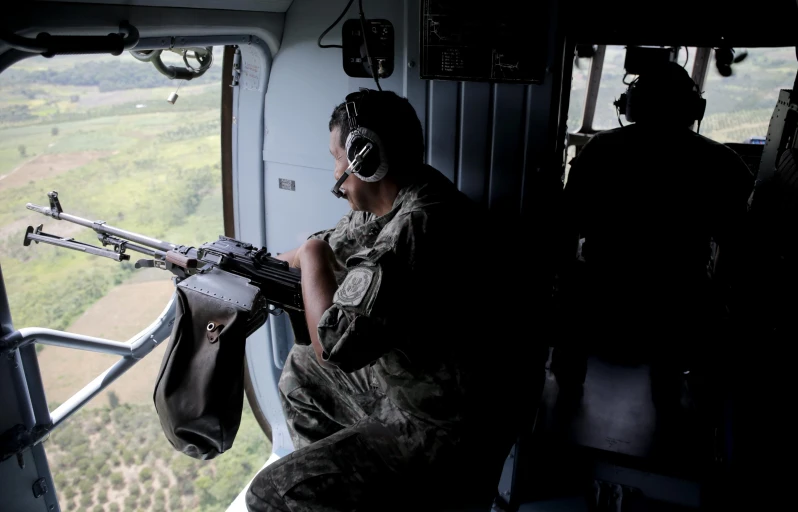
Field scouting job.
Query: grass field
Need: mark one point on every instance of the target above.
(116, 151)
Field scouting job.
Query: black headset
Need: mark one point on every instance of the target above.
(629, 103)
(364, 150)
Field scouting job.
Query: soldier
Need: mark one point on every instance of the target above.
(647, 199)
(398, 390)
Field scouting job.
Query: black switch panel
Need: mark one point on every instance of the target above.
(505, 41)
(380, 36)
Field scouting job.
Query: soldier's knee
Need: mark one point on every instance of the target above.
(262, 496)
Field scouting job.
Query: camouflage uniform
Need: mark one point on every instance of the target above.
(404, 406)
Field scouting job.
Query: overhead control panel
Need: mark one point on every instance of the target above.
(505, 43)
(639, 57)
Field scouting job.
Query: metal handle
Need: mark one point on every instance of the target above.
(48, 45)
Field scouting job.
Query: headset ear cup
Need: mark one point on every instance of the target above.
(620, 103)
(355, 144)
(375, 166)
(701, 108)
(629, 105)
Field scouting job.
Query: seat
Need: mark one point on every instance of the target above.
(614, 434)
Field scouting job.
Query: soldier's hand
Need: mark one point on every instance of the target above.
(289, 256)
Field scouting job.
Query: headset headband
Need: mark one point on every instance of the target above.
(352, 99)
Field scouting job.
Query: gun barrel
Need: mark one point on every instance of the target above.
(102, 227)
(112, 240)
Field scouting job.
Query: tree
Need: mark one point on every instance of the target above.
(117, 480)
(22, 150)
(145, 474)
(54, 131)
(175, 501)
(86, 499)
(113, 400)
(130, 502)
(86, 485)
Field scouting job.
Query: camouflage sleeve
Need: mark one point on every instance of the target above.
(363, 323)
(324, 235)
(335, 235)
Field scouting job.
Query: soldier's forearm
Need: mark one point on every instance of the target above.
(318, 288)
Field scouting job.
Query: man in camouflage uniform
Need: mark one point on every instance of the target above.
(400, 389)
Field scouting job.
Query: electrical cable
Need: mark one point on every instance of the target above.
(337, 20)
(374, 73)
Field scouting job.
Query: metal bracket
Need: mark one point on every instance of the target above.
(39, 488)
(17, 439)
(226, 287)
(236, 67)
(9, 343)
(55, 204)
(351, 114)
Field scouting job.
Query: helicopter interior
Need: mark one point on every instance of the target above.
(501, 121)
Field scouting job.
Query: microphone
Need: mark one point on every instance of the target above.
(354, 166)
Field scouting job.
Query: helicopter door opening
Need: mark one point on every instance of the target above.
(137, 143)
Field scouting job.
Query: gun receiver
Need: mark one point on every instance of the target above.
(280, 284)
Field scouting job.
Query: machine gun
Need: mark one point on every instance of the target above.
(213, 266)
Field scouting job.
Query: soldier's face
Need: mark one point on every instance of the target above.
(354, 188)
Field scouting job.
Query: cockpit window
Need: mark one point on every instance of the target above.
(100, 131)
(739, 106)
(610, 89)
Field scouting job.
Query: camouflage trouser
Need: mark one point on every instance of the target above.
(355, 449)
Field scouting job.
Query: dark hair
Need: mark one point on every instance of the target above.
(392, 118)
(664, 93)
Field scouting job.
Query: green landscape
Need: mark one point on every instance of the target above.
(98, 130)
